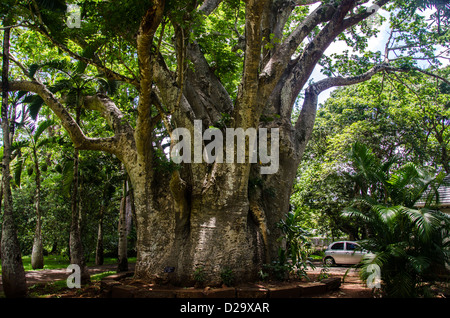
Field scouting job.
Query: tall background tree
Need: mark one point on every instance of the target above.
(230, 64)
(13, 274)
(35, 142)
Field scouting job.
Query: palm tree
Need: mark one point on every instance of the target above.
(408, 244)
(370, 175)
(73, 86)
(34, 143)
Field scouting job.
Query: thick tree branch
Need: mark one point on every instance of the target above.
(147, 30)
(109, 111)
(204, 91)
(208, 6)
(314, 50)
(253, 34)
(76, 134)
(168, 90)
(274, 68)
(305, 121)
(353, 20)
(329, 82)
(245, 112)
(301, 68)
(22, 67)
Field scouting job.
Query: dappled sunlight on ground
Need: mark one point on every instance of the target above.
(52, 275)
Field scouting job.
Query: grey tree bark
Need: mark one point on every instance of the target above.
(99, 257)
(37, 253)
(123, 231)
(75, 243)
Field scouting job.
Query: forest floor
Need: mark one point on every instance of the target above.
(49, 276)
(51, 283)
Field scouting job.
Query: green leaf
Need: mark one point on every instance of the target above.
(41, 128)
(35, 103)
(67, 173)
(18, 166)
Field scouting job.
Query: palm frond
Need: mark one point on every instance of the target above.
(17, 170)
(58, 65)
(41, 128)
(67, 177)
(419, 263)
(424, 222)
(18, 144)
(35, 103)
(354, 213)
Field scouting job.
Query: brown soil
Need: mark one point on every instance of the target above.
(93, 290)
(51, 275)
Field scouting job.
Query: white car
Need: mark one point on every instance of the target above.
(343, 252)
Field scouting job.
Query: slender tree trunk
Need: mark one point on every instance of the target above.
(13, 274)
(99, 248)
(123, 232)
(76, 246)
(37, 253)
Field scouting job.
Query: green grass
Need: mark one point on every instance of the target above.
(50, 262)
(316, 257)
(97, 277)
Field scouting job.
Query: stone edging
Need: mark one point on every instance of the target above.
(112, 288)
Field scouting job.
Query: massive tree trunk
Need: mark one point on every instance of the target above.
(208, 231)
(13, 274)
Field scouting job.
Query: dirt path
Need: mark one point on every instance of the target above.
(351, 286)
(51, 275)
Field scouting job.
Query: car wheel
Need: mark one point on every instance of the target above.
(329, 261)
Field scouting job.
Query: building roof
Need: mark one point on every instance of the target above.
(444, 194)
